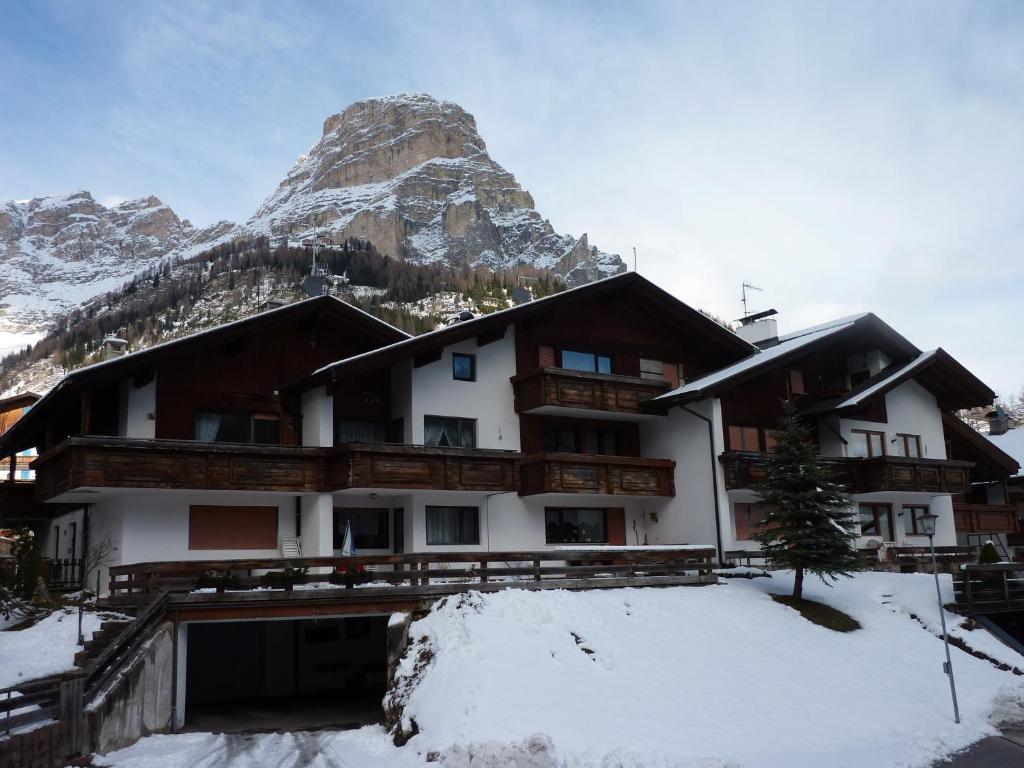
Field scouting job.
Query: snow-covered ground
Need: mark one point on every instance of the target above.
(684, 677)
(46, 648)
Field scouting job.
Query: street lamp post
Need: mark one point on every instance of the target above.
(928, 520)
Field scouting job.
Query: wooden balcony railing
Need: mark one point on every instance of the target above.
(884, 473)
(563, 388)
(101, 462)
(984, 589)
(986, 518)
(448, 572)
(418, 466)
(114, 462)
(611, 475)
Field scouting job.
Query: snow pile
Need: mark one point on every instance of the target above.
(46, 648)
(689, 676)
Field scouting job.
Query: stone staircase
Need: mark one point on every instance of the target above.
(101, 638)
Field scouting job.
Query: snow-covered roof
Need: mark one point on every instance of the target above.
(788, 344)
(880, 383)
(1011, 443)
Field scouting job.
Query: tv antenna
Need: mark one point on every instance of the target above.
(743, 296)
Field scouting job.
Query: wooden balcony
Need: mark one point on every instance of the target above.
(885, 473)
(102, 462)
(562, 388)
(422, 467)
(609, 475)
(986, 518)
(115, 462)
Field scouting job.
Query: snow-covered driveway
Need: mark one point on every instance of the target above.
(368, 747)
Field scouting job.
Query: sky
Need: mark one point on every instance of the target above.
(842, 157)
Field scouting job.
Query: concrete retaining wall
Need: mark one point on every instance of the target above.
(139, 702)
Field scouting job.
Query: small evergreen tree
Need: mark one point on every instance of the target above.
(810, 526)
(989, 555)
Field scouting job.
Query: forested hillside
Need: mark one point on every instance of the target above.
(235, 279)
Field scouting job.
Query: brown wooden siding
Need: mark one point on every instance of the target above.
(985, 518)
(232, 527)
(609, 475)
(576, 389)
(245, 374)
(885, 473)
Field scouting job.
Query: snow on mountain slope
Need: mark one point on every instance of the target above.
(57, 252)
(411, 174)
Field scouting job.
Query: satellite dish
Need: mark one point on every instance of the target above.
(873, 544)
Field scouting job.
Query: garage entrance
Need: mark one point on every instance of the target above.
(285, 674)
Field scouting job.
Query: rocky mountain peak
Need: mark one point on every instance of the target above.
(412, 174)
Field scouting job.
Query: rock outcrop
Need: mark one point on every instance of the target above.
(411, 174)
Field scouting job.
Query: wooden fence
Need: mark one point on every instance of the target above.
(982, 589)
(138, 582)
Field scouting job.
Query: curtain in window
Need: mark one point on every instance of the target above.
(207, 427)
(452, 525)
(441, 431)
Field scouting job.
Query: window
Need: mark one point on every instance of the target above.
(586, 361)
(867, 444)
(909, 445)
(369, 527)
(744, 439)
(449, 432)
(453, 525)
(604, 442)
(911, 515)
(796, 383)
(229, 427)
(876, 520)
(748, 518)
(463, 367)
(355, 431)
(576, 526)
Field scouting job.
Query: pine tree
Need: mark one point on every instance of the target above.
(810, 526)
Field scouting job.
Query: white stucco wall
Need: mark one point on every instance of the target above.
(489, 399)
(138, 409)
(317, 418)
(910, 409)
(689, 517)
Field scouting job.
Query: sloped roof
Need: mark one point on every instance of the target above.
(656, 299)
(120, 367)
(990, 461)
(790, 346)
(1012, 444)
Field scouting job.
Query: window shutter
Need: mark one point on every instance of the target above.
(546, 356)
(670, 372)
(617, 526)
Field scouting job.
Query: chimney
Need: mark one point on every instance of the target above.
(998, 421)
(759, 329)
(114, 347)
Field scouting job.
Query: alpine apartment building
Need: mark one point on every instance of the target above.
(608, 414)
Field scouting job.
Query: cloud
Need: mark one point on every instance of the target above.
(844, 157)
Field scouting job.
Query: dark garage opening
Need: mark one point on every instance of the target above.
(285, 674)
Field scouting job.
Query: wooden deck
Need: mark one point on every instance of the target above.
(412, 578)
